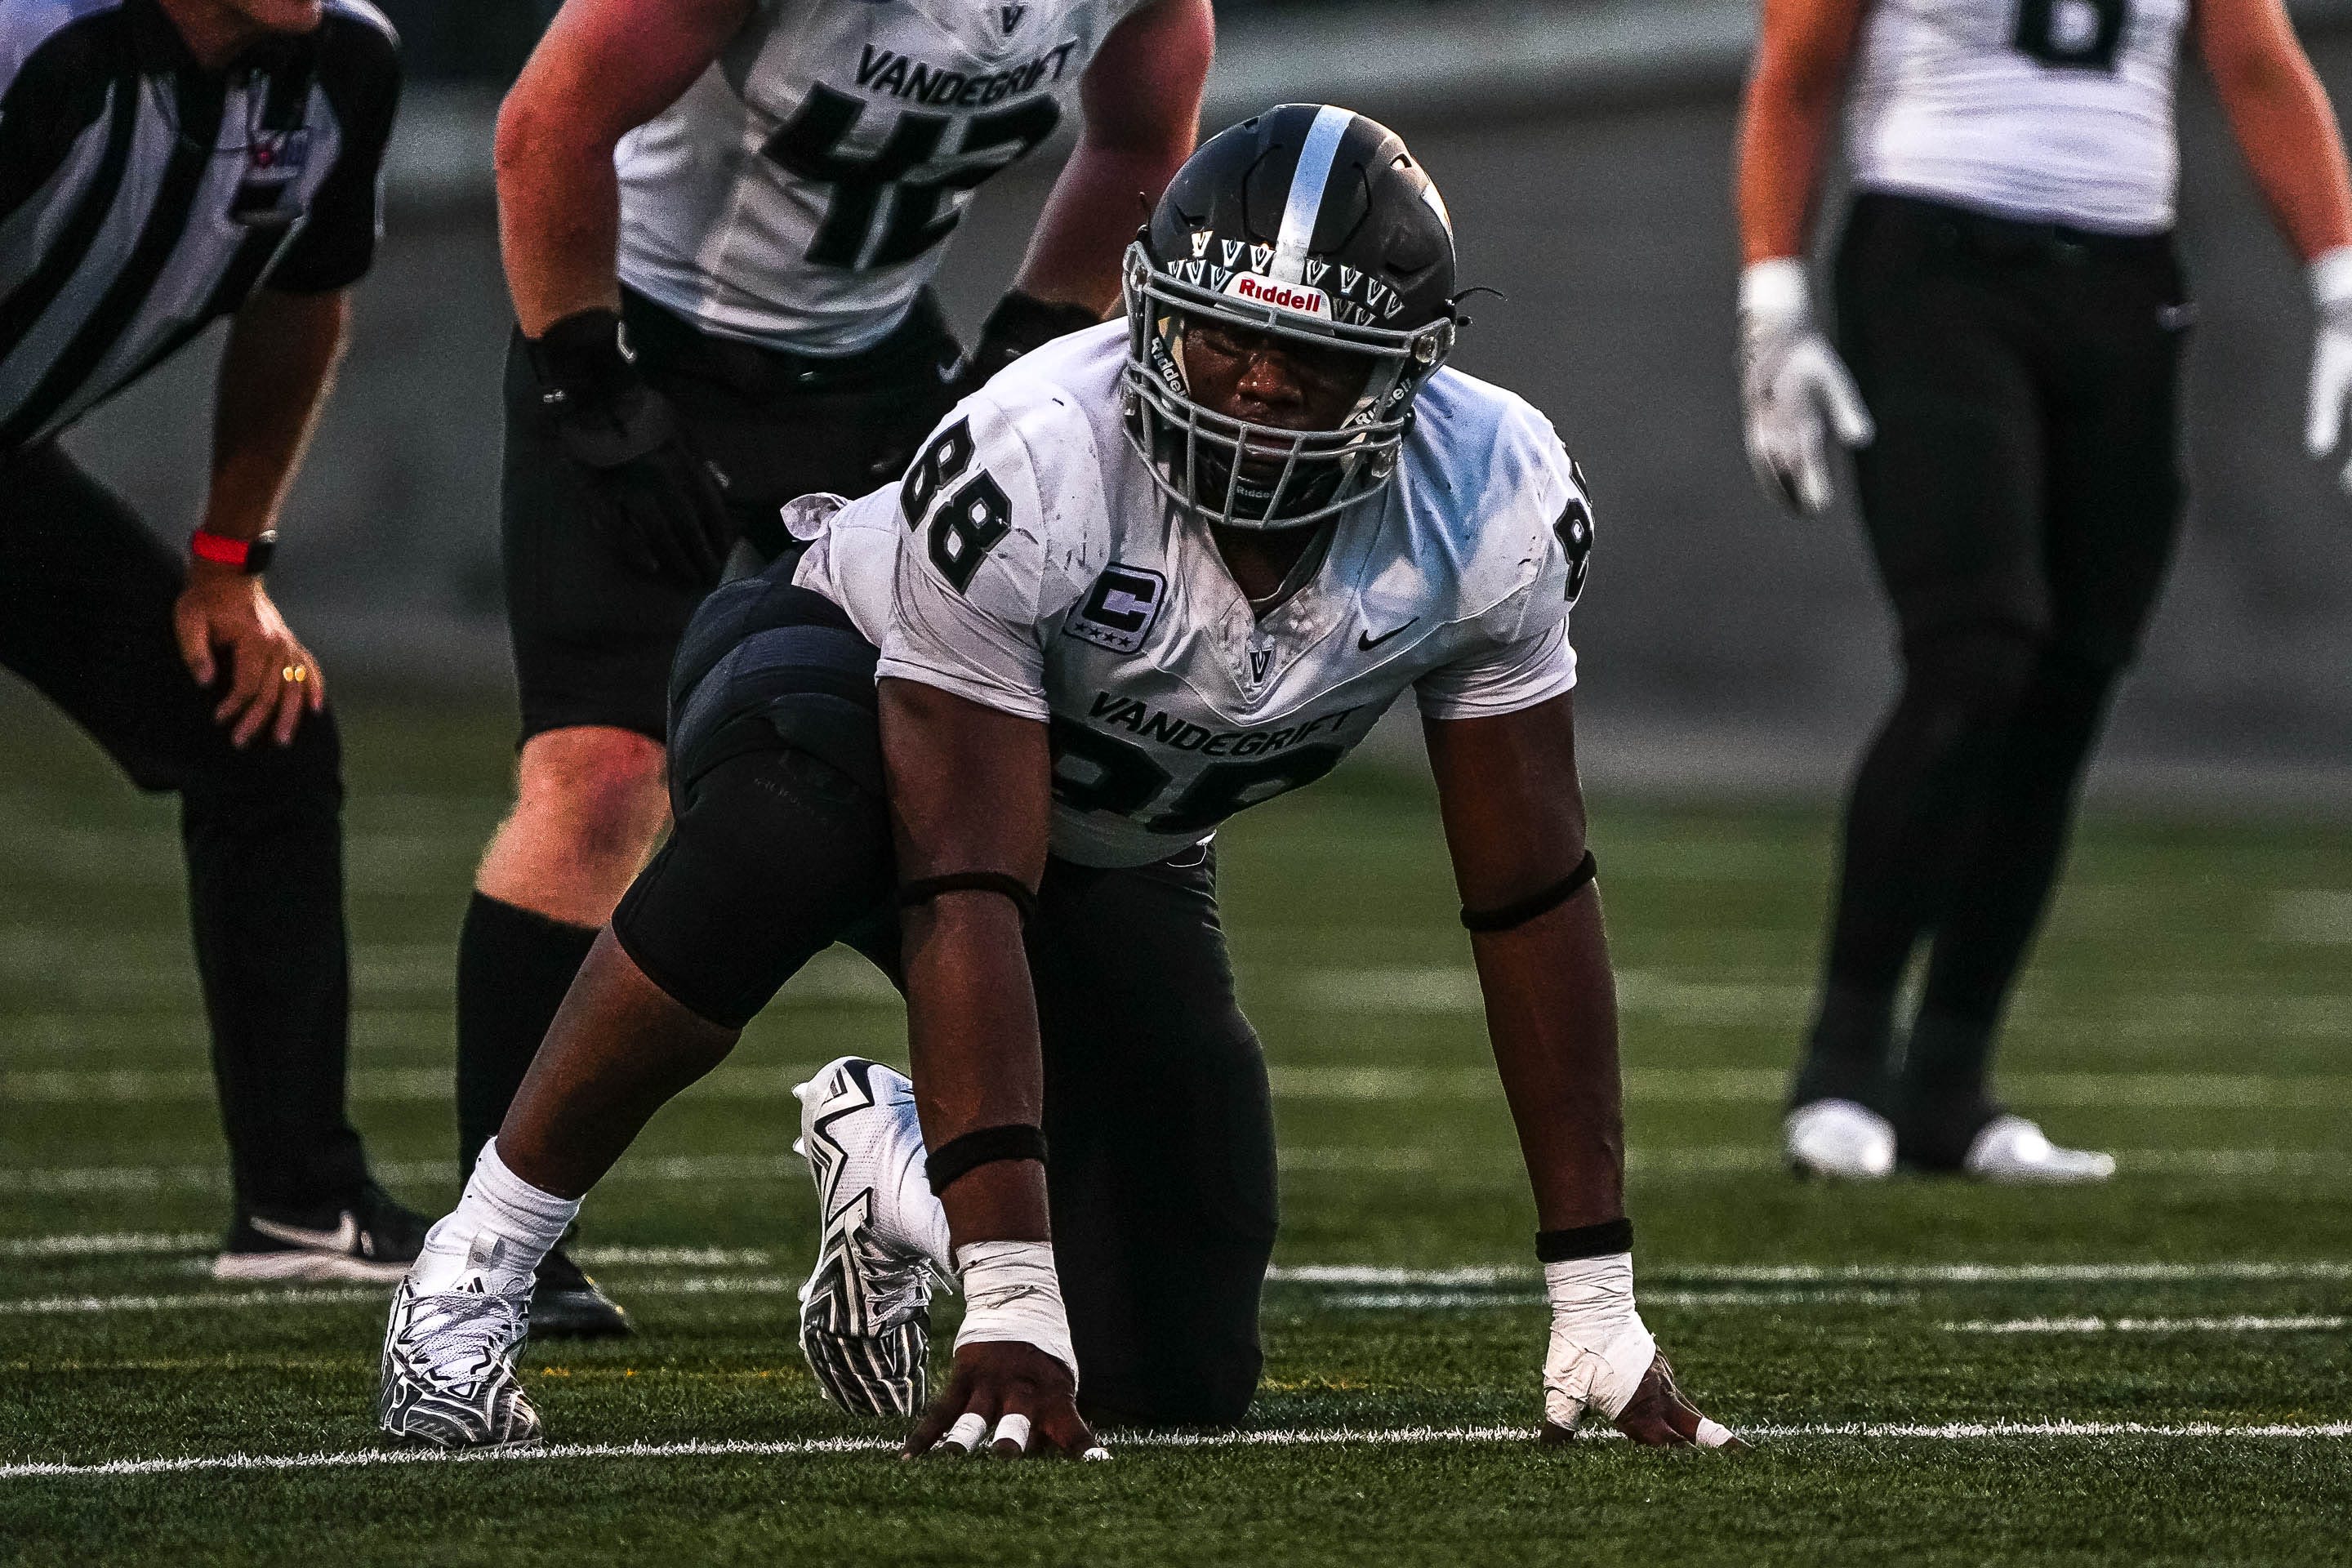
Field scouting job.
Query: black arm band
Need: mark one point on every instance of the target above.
(1602, 1240)
(1534, 904)
(924, 890)
(959, 1156)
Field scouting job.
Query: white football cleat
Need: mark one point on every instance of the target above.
(1838, 1139)
(2014, 1151)
(448, 1368)
(866, 1321)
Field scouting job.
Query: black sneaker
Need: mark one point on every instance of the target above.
(565, 1304)
(373, 1240)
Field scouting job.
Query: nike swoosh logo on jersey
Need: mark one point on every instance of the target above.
(1366, 641)
(344, 1237)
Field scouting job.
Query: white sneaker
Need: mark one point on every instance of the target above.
(2014, 1151)
(866, 1321)
(1838, 1139)
(448, 1368)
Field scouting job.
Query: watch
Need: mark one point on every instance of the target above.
(250, 556)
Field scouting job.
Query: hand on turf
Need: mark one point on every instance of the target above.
(2331, 359)
(225, 624)
(1795, 390)
(1659, 1416)
(995, 1380)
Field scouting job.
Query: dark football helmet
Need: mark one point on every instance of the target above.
(1306, 223)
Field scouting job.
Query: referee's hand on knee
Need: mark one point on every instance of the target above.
(231, 635)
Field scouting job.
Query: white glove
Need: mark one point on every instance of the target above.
(2331, 358)
(1789, 377)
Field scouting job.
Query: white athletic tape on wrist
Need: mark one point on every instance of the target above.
(1713, 1433)
(1013, 1429)
(1600, 1350)
(1011, 1295)
(2331, 278)
(1776, 289)
(969, 1429)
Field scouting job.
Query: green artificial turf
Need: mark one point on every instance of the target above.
(2190, 1008)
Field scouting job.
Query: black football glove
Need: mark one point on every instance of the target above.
(656, 501)
(1019, 323)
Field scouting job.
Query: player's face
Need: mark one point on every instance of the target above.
(1267, 380)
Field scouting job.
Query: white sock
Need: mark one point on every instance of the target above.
(500, 1230)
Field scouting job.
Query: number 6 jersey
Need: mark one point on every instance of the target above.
(799, 193)
(1028, 563)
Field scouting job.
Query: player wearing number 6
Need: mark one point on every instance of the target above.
(721, 220)
(2009, 305)
(984, 728)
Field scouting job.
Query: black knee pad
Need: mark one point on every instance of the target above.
(767, 664)
(775, 855)
(1972, 676)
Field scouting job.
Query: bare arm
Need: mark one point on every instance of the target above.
(1793, 94)
(969, 793)
(1141, 100)
(605, 68)
(1514, 825)
(2281, 118)
(281, 359)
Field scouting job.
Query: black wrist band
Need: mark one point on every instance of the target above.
(959, 1156)
(1525, 910)
(1602, 1240)
(923, 889)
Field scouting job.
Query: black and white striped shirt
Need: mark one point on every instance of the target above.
(142, 198)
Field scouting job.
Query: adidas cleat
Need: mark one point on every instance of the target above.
(373, 1241)
(448, 1369)
(866, 1321)
(1838, 1139)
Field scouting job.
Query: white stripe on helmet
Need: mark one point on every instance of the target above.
(1307, 181)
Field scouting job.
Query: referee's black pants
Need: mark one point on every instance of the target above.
(2022, 500)
(1158, 1118)
(86, 601)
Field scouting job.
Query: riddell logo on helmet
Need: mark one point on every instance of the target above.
(1281, 296)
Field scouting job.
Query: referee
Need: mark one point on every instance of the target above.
(2011, 306)
(164, 163)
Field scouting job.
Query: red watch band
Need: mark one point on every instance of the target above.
(247, 555)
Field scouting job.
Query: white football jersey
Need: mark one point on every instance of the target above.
(1028, 563)
(799, 195)
(2053, 110)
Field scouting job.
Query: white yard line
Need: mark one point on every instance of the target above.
(116, 1244)
(2241, 1324)
(1465, 1300)
(1281, 1437)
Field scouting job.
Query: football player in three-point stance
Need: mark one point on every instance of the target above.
(984, 728)
(2010, 304)
(759, 191)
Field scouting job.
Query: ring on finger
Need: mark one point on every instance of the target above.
(295, 673)
(1014, 1429)
(965, 1435)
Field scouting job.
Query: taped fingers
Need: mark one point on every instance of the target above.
(1012, 1438)
(965, 1435)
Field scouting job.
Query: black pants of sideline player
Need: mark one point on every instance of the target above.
(594, 641)
(2022, 500)
(1157, 1111)
(86, 601)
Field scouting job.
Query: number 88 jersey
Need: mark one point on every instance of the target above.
(800, 192)
(1029, 563)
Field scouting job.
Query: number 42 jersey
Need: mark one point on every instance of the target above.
(1029, 563)
(800, 192)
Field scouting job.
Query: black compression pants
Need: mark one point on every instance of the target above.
(86, 601)
(2022, 500)
(1157, 1110)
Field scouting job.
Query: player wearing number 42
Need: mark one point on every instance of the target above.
(778, 179)
(984, 728)
(2013, 316)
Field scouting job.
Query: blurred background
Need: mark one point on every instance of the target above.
(1584, 146)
